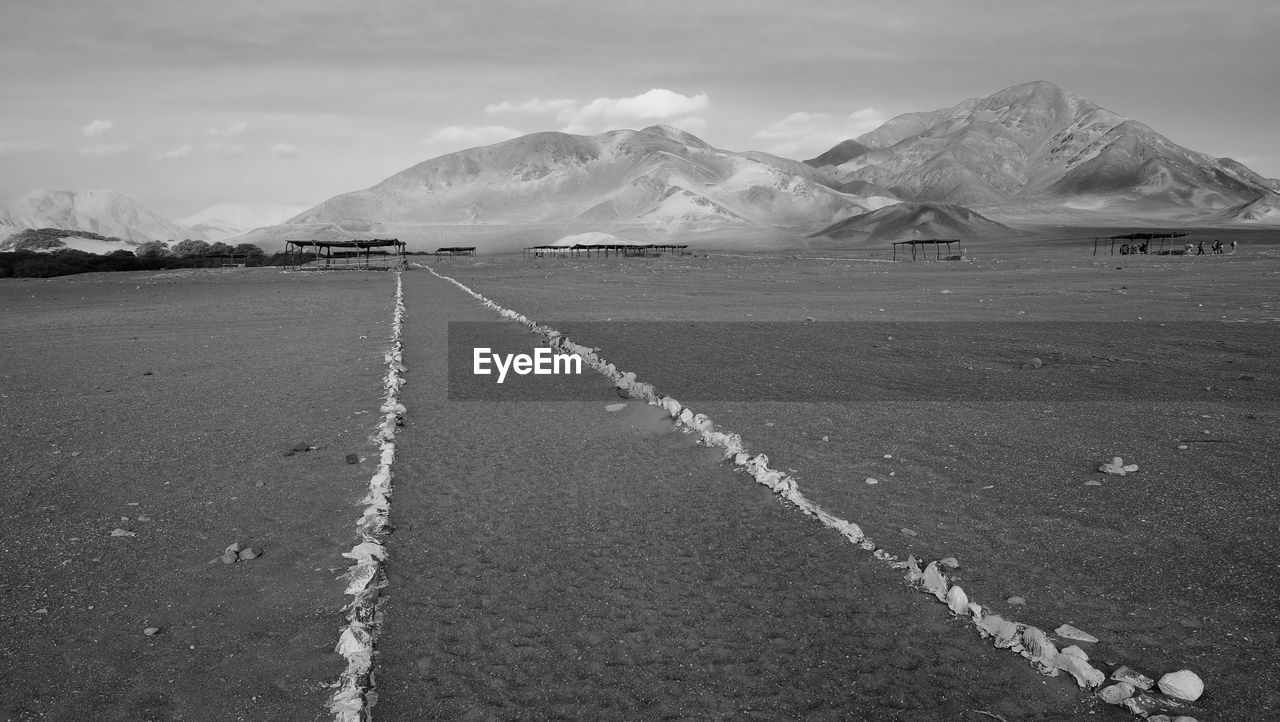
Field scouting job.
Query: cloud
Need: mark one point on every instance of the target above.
(285, 150)
(104, 149)
(534, 105)
(810, 134)
(457, 135)
(97, 127)
(657, 104)
(14, 147)
(231, 130)
(179, 152)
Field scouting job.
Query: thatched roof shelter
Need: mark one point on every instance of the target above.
(456, 251)
(601, 244)
(1109, 242)
(347, 255)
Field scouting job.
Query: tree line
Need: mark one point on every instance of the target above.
(40, 253)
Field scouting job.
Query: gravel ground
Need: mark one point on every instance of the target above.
(1172, 567)
(167, 405)
(557, 560)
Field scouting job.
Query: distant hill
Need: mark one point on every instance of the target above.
(657, 177)
(1263, 210)
(1036, 145)
(226, 220)
(102, 212)
(840, 153)
(915, 221)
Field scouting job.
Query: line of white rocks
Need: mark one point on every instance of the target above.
(355, 696)
(1131, 689)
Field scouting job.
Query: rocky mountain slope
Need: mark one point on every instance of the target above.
(659, 176)
(1033, 146)
(103, 212)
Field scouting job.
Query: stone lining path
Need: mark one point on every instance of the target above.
(555, 559)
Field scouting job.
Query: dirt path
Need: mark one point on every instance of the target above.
(166, 405)
(555, 559)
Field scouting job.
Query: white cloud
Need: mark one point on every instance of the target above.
(285, 150)
(13, 147)
(231, 130)
(810, 134)
(97, 127)
(104, 149)
(457, 135)
(657, 104)
(534, 105)
(179, 152)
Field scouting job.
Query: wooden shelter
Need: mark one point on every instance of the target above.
(347, 255)
(579, 250)
(1108, 243)
(937, 243)
(456, 251)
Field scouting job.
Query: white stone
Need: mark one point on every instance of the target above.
(913, 569)
(1069, 632)
(1133, 677)
(1042, 653)
(958, 601)
(1075, 651)
(934, 583)
(1086, 676)
(1183, 684)
(1006, 634)
(1116, 693)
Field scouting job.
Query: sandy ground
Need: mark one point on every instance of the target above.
(554, 559)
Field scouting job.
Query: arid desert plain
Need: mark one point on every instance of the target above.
(566, 559)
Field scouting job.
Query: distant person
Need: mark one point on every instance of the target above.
(1217, 247)
(1142, 249)
(1233, 248)
(1188, 251)
(1200, 249)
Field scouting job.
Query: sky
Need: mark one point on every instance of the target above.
(183, 105)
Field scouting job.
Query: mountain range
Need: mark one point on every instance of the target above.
(103, 212)
(1036, 149)
(658, 177)
(1028, 154)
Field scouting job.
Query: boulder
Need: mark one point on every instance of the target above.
(1183, 684)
